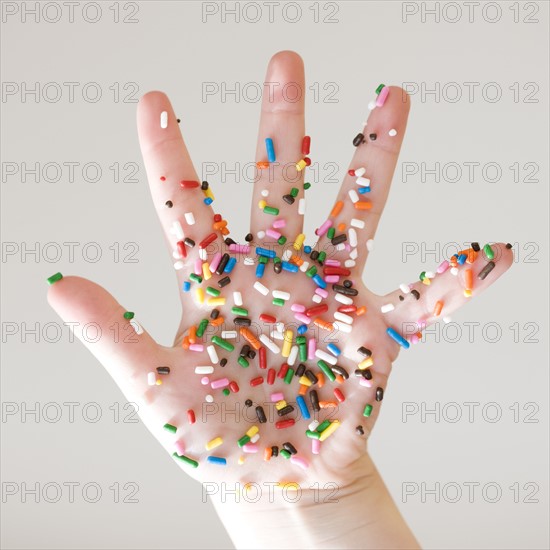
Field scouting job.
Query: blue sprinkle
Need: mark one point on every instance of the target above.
(398, 338)
(363, 190)
(270, 150)
(302, 329)
(287, 266)
(230, 265)
(307, 249)
(265, 252)
(260, 269)
(319, 281)
(186, 286)
(208, 201)
(461, 259)
(334, 349)
(303, 407)
(217, 460)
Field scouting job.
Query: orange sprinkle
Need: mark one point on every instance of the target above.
(267, 453)
(362, 205)
(361, 310)
(303, 389)
(192, 334)
(296, 260)
(321, 379)
(341, 227)
(250, 338)
(325, 325)
(217, 321)
(327, 404)
(438, 307)
(337, 209)
(262, 164)
(185, 342)
(225, 231)
(218, 226)
(339, 378)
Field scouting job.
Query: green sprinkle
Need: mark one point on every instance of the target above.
(226, 391)
(307, 185)
(263, 260)
(281, 240)
(488, 251)
(186, 459)
(288, 376)
(243, 362)
(300, 340)
(312, 271)
(54, 278)
(368, 410)
(326, 370)
(212, 291)
(243, 441)
(170, 428)
(202, 327)
(128, 315)
(322, 256)
(278, 302)
(379, 89)
(331, 232)
(224, 344)
(323, 426)
(285, 453)
(294, 192)
(271, 210)
(276, 260)
(195, 278)
(313, 435)
(422, 276)
(303, 352)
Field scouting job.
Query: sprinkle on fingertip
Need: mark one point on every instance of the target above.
(54, 278)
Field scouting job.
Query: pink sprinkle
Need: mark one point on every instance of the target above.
(365, 382)
(315, 446)
(198, 266)
(302, 318)
(239, 248)
(205, 380)
(250, 448)
(347, 247)
(382, 96)
(331, 279)
(311, 348)
(299, 461)
(179, 447)
(324, 228)
(196, 347)
(273, 234)
(414, 339)
(215, 261)
(333, 263)
(298, 308)
(277, 224)
(278, 396)
(220, 383)
(443, 266)
(321, 292)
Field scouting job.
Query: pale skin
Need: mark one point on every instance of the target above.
(365, 515)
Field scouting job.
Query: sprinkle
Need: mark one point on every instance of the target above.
(164, 119)
(488, 252)
(486, 270)
(367, 410)
(186, 460)
(398, 338)
(382, 96)
(170, 428)
(189, 218)
(270, 150)
(387, 308)
(392, 132)
(370, 245)
(217, 460)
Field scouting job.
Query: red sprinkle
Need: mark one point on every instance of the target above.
(306, 145)
(351, 172)
(268, 318)
(307, 161)
(257, 381)
(182, 249)
(234, 387)
(281, 424)
(271, 376)
(189, 184)
(208, 240)
(162, 178)
(316, 310)
(282, 371)
(339, 395)
(217, 217)
(347, 309)
(333, 270)
(263, 358)
(191, 416)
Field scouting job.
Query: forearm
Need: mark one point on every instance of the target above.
(361, 515)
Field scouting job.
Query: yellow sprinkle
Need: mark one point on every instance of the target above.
(330, 430)
(252, 431)
(468, 293)
(199, 292)
(305, 381)
(299, 241)
(241, 460)
(206, 271)
(262, 205)
(159, 382)
(287, 345)
(365, 363)
(208, 193)
(216, 442)
(280, 404)
(216, 301)
(289, 485)
(300, 165)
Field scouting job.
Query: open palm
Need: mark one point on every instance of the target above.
(356, 325)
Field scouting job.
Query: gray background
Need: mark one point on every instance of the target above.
(170, 48)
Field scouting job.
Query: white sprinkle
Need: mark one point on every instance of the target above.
(454, 271)
(164, 119)
(304, 267)
(204, 369)
(262, 289)
(260, 234)
(405, 289)
(387, 307)
(212, 353)
(249, 261)
(392, 132)
(151, 379)
(349, 263)
(265, 193)
(178, 265)
(276, 335)
(229, 334)
(237, 298)
(364, 182)
(293, 355)
(313, 426)
(352, 234)
(348, 319)
(280, 327)
(326, 356)
(371, 105)
(316, 298)
(447, 320)
(287, 254)
(281, 294)
(208, 398)
(370, 245)
(189, 218)
(343, 299)
(177, 230)
(359, 172)
(255, 438)
(429, 274)
(136, 326)
(340, 247)
(270, 344)
(342, 327)
(353, 196)
(302, 206)
(203, 255)
(360, 224)
(353, 254)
